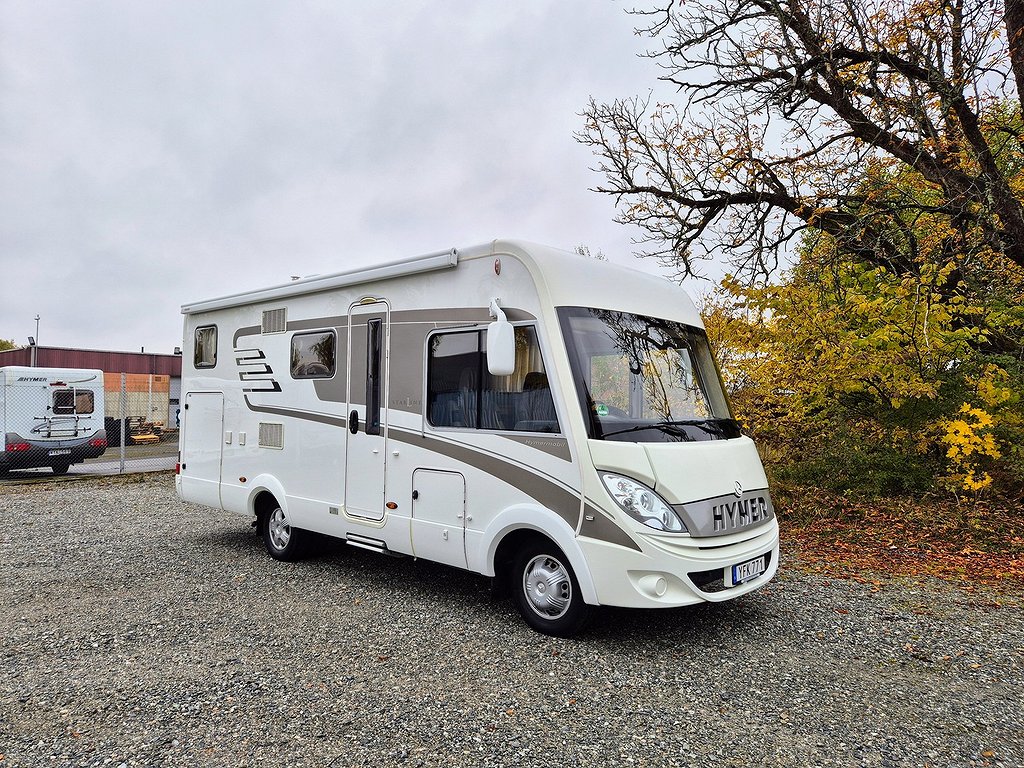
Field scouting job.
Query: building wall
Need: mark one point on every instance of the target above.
(146, 397)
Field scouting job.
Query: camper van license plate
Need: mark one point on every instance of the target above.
(748, 570)
(60, 452)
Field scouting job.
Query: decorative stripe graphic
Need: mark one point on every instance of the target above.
(541, 488)
(255, 370)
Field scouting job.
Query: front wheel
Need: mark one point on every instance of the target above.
(546, 592)
(281, 540)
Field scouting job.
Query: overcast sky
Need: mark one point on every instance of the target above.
(160, 152)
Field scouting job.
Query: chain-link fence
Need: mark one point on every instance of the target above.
(79, 422)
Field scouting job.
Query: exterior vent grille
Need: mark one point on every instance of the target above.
(271, 435)
(274, 321)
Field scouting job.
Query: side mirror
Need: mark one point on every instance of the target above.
(501, 344)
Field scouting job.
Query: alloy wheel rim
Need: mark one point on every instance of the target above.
(280, 530)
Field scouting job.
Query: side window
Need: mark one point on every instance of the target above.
(73, 401)
(461, 393)
(206, 347)
(453, 377)
(313, 355)
(522, 401)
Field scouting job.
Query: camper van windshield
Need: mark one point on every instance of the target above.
(642, 379)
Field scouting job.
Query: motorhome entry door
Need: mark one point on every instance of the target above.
(202, 447)
(366, 454)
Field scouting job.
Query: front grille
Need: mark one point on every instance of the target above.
(708, 581)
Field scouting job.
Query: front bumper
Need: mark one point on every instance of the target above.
(682, 570)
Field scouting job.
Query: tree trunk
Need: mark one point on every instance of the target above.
(1013, 17)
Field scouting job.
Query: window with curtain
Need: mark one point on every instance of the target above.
(206, 347)
(461, 393)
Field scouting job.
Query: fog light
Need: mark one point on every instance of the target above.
(653, 585)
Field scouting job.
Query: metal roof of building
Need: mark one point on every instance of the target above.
(110, 362)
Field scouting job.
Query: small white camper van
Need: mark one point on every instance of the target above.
(50, 417)
(552, 421)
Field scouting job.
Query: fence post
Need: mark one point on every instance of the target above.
(123, 410)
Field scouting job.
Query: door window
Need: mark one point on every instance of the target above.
(374, 354)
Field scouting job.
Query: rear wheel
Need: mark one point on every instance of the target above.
(546, 592)
(283, 542)
(61, 469)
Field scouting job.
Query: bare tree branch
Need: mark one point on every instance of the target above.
(786, 103)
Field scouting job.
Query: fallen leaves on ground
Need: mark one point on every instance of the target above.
(869, 539)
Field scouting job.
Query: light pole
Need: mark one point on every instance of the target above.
(35, 343)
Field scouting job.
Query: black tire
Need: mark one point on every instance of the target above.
(545, 590)
(283, 542)
(61, 469)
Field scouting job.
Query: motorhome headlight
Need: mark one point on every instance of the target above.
(641, 503)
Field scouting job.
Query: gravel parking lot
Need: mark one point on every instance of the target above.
(140, 631)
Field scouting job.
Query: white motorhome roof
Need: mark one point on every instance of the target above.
(15, 374)
(573, 280)
(568, 279)
(319, 283)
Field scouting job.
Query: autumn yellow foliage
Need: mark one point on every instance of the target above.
(854, 369)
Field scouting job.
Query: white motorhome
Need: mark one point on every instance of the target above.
(50, 417)
(555, 422)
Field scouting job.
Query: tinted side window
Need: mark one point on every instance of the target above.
(206, 347)
(453, 379)
(313, 355)
(374, 382)
(63, 401)
(522, 401)
(462, 394)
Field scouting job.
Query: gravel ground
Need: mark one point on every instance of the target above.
(140, 631)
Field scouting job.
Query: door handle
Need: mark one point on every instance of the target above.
(353, 422)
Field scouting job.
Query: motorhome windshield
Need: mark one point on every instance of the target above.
(641, 379)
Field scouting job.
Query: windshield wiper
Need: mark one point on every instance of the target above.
(630, 429)
(711, 426)
(707, 425)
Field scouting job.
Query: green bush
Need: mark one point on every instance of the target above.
(848, 465)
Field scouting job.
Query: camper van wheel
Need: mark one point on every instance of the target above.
(546, 591)
(281, 540)
(61, 469)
